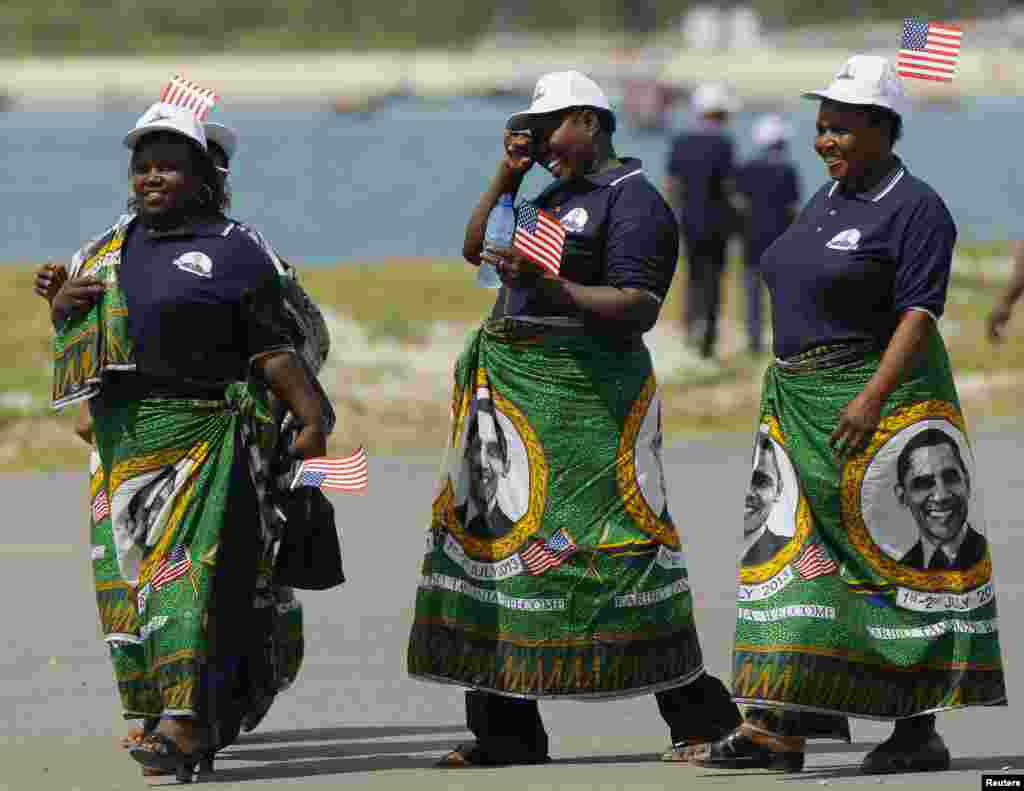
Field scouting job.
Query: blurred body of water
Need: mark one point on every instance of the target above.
(400, 182)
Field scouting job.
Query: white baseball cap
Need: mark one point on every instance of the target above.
(224, 136)
(714, 97)
(865, 80)
(162, 117)
(561, 90)
(771, 129)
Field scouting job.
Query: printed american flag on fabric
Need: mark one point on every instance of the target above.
(185, 93)
(929, 51)
(540, 237)
(543, 555)
(815, 563)
(100, 506)
(348, 474)
(176, 564)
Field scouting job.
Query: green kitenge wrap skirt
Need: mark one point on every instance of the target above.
(184, 530)
(866, 585)
(552, 567)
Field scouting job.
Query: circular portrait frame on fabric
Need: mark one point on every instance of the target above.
(790, 516)
(520, 494)
(636, 488)
(869, 498)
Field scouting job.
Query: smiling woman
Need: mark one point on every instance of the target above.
(173, 329)
(862, 400)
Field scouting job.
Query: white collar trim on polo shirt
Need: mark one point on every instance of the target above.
(900, 173)
(628, 175)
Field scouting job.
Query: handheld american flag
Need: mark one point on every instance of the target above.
(185, 93)
(348, 474)
(815, 563)
(543, 555)
(540, 237)
(929, 50)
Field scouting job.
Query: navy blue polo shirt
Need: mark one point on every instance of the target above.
(771, 186)
(701, 161)
(619, 232)
(187, 292)
(851, 264)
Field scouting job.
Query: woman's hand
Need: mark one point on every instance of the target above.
(514, 268)
(311, 443)
(76, 295)
(49, 279)
(857, 424)
(997, 321)
(517, 160)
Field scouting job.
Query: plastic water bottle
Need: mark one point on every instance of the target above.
(501, 225)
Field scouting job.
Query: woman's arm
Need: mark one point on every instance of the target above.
(288, 381)
(860, 418)
(511, 171)
(84, 423)
(1000, 314)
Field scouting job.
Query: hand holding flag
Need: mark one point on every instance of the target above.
(348, 474)
(540, 237)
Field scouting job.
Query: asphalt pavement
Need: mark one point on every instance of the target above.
(355, 719)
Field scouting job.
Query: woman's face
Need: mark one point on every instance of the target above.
(565, 143)
(848, 143)
(163, 177)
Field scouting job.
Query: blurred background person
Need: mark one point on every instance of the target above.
(697, 186)
(1001, 313)
(767, 197)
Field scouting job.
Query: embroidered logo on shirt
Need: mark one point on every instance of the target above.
(575, 220)
(197, 263)
(845, 240)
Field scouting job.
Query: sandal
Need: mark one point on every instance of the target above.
(469, 755)
(159, 752)
(750, 748)
(137, 735)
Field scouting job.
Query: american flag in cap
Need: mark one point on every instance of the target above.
(929, 50)
(347, 474)
(185, 93)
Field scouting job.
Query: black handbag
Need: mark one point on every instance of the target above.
(309, 554)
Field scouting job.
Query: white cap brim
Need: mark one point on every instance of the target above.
(521, 120)
(133, 136)
(843, 97)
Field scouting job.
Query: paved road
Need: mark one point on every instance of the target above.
(354, 718)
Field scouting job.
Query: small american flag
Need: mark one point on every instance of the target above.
(177, 564)
(348, 474)
(543, 555)
(815, 563)
(100, 506)
(185, 93)
(539, 237)
(929, 51)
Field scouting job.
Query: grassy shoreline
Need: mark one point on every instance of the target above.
(398, 324)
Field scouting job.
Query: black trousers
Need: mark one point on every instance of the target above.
(705, 264)
(511, 728)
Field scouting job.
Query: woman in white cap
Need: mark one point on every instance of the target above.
(163, 321)
(768, 198)
(554, 569)
(285, 633)
(874, 607)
